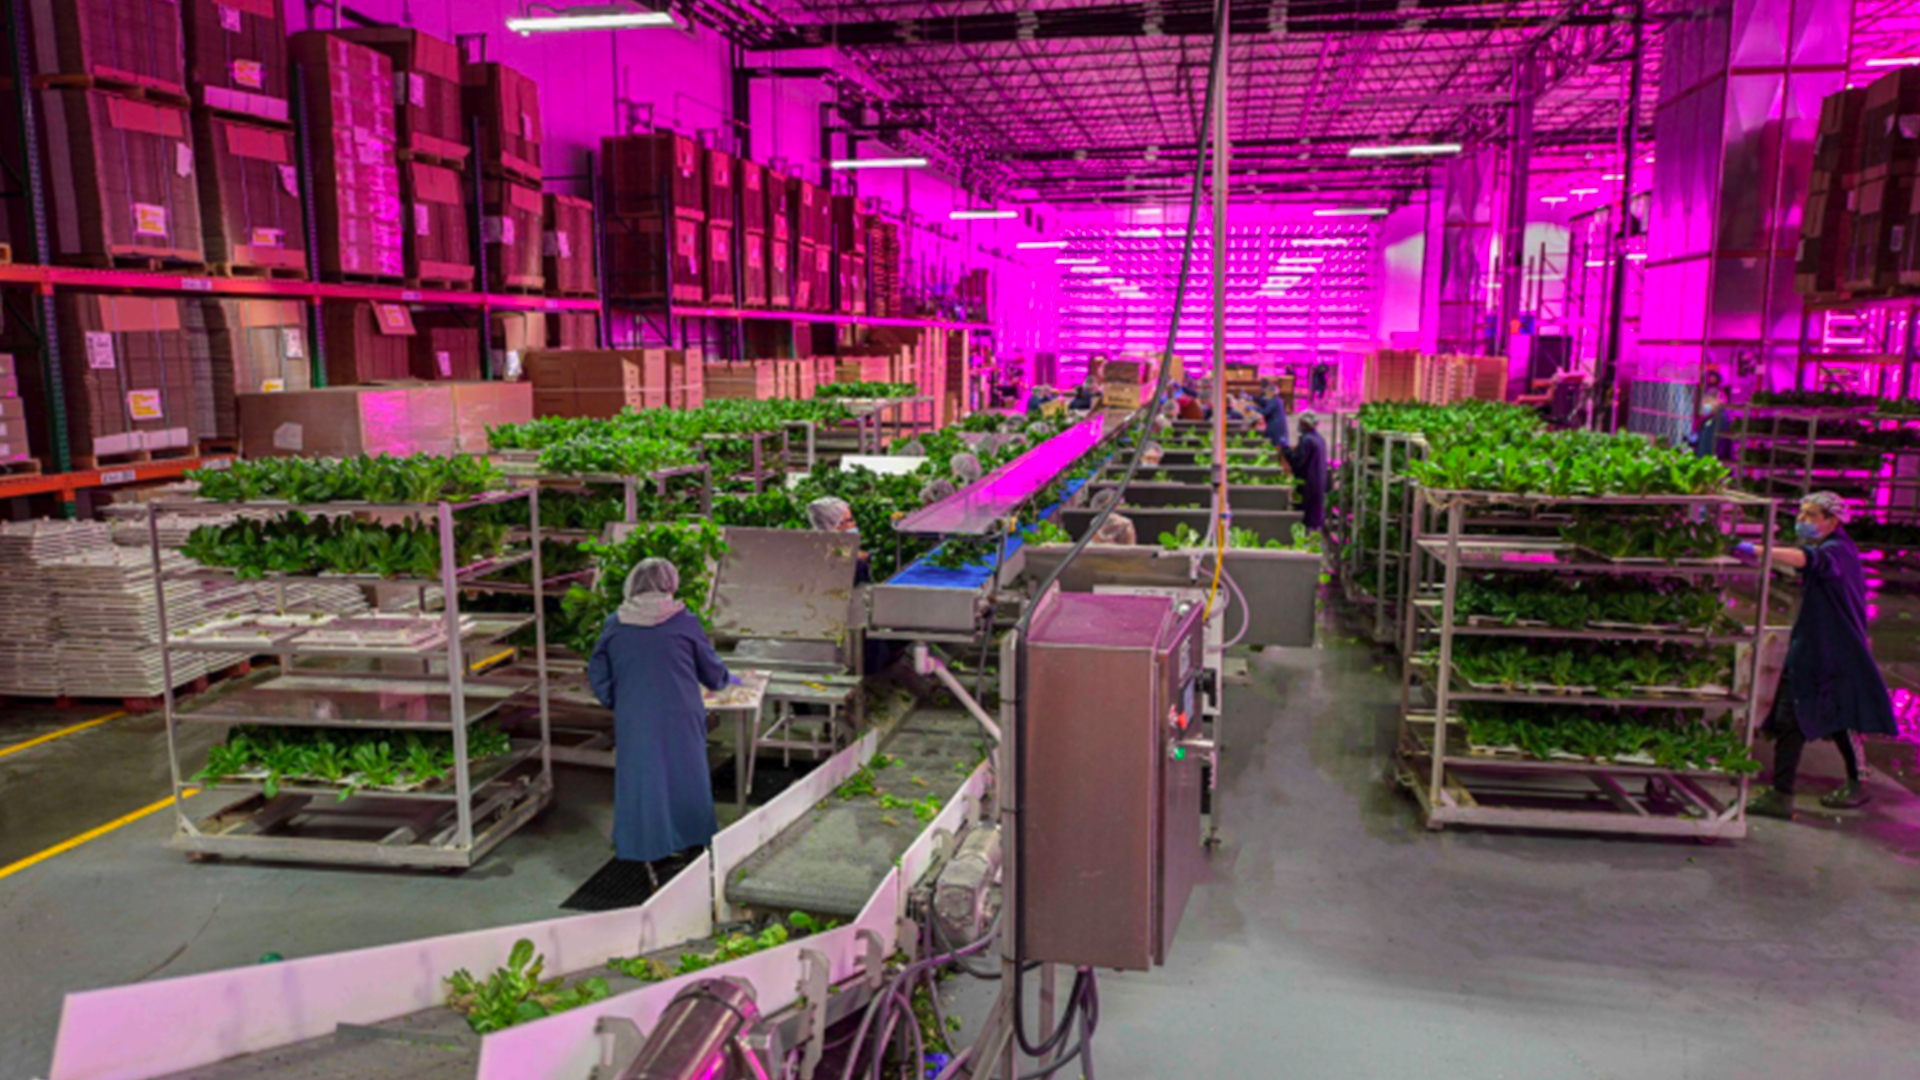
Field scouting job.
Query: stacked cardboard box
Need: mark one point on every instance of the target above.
(356, 182)
(1388, 375)
(437, 247)
(654, 176)
(127, 364)
(601, 382)
(120, 44)
(15, 445)
(568, 247)
(237, 57)
(883, 255)
(514, 335)
(256, 347)
(120, 179)
(442, 418)
(1826, 224)
(445, 347)
(749, 380)
(368, 342)
(512, 229)
(779, 260)
(1890, 133)
(506, 104)
(1882, 204)
(573, 330)
(429, 123)
(810, 216)
(250, 197)
(755, 279)
(864, 369)
(686, 379)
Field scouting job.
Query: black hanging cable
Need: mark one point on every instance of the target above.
(1143, 427)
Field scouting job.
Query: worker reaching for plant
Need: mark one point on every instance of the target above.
(1308, 461)
(649, 666)
(1271, 408)
(1830, 687)
(1118, 528)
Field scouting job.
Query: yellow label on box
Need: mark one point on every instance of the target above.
(248, 73)
(149, 220)
(272, 386)
(145, 405)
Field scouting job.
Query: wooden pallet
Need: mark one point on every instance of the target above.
(494, 170)
(228, 113)
(150, 704)
(574, 294)
(263, 273)
(524, 286)
(137, 457)
(445, 159)
(137, 263)
(22, 467)
(6, 252)
(159, 93)
(342, 278)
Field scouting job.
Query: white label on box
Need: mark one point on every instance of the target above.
(293, 342)
(497, 230)
(289, 436)
(290, 180)
(566, 246)
(229, 19)
(526, 125)
(149, 220)
(272, 386)
(145, 405)
(100, 350)
(1897, 242)
(550, 244)
(183, 159)
(417, 90)
(512, 364)
(272, 238)
(444, 361)
(422, 220)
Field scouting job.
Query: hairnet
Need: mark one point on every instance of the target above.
(1307, 420)
(1104, 498)
(910, 448)
(1117, 529)
(1162, 423)
(1828, 502)
(1153, 454)
(829, 514)
(935, 490)
(966, 468)
(654, 575)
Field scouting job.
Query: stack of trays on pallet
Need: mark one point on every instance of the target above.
(310, 596)
(109, 629)
(28, 611)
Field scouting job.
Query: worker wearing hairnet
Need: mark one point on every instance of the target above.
(829, 514)
(965, 468)
(935, 490)
(652, 660)
(1153, 455)
(1308, 462)
(1118, 528)
(1830, 687)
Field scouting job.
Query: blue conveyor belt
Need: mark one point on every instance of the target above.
(923, 574)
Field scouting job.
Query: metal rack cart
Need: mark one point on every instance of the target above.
(1462, 533)
(432, 686)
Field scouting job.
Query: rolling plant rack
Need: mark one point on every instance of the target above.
(1376, 519)
(1461, 533)
(1785, 453)
(443, 685)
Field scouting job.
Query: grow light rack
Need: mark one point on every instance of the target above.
(1786, 452)
(1367, 524)
(429, 687)
(1457, 784)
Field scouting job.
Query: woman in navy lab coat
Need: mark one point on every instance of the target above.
(1831, 686)
(649, 667)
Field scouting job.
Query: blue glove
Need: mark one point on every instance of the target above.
(1746, 552)
(735, 680)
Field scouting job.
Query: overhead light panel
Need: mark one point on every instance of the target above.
(591, 17)
(843, 164)
(1036, 245)
(1076, 262)
(1404, 150)
(1352, 211)
(1893, 61)
(983, 215)
(1583, 192)
(1094, 269)
(1108, 281)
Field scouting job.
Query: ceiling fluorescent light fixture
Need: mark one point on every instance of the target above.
(591, 17)
(1404, 150)
(1332, 241)
(983, 215)
(1036, 245)
(1553, 200)
(1092, 269)
(1583, 192)
(1893, 61)
(1076, 262)
(1636, 256)
(1352, 211)
(843, 164)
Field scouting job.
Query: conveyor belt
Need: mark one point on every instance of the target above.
(831, 861)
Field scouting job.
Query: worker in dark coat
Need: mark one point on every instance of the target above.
(1830, 688)
(1308, 461)
(1271, 408)
(651, 662)
(1705, 439)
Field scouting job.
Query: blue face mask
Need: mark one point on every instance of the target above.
(1807, 530)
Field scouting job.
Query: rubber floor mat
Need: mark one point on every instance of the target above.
(622, 883)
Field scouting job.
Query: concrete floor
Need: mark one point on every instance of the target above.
(1338, 939)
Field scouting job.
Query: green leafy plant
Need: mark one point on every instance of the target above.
(516, 993)
(1181, 538)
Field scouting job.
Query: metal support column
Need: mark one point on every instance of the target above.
(1622, 227)
(1513, 220)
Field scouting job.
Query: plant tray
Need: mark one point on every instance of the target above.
(251, 631)
(1490, 620)
(1650, 560)
(1647, 628)
(381, 632)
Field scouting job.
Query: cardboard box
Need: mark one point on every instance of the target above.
(344, 421)
(507, 104)
(751, 380)
(779, 260)
(480, 405)
(512, 229)
(120, 178)
(719, 264)
(514, 335)
(753, 271)
(567, 247)
(573, 330)
(438, 242)
(128, 366)
(752, 186)
(444, 348)
(356, 177)
(367, 342)
(598, 382)
(136, 43)
(647, 257)
(719, 176)
(657, 175)
(428, 121)
(250, 195)
(9, 368)
(237, 56)
(254, 347)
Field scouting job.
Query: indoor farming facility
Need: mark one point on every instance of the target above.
(959, 539)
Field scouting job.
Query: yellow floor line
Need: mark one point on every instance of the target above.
(62, 733)
(91, 834)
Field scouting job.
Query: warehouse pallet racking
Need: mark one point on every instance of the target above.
(1461, 533)
(383, 687)
(1864, 344)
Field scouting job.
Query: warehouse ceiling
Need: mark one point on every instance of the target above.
(1077, 101)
